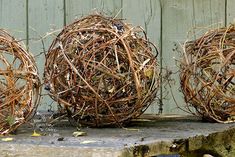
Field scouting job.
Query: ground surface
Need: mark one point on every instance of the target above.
(141, 138)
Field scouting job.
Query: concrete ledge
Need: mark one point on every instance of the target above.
(29, 150)
(143, 138)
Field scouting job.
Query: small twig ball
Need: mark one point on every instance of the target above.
(19, 84)
(102, 71)
(208, 75)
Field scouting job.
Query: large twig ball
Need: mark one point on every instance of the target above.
(102, 71)
(19, 84)
(208, 75)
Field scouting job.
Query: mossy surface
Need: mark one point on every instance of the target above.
(220, 144)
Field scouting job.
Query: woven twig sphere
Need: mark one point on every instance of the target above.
(19, 84)
(102, 71)
(208, 75)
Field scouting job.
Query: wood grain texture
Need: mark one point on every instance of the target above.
(208, 14)
(78, 8)
(44, 16)
(144, 13)
(179, 20)
(230, 11)
(110, 8)
(13, 17)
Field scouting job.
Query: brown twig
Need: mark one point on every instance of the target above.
(104, 84)
(19, 84)
(208, 75)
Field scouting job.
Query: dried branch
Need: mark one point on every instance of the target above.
(208, 75)
(111, 73)
(19, 84)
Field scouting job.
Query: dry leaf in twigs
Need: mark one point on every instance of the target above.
(148, 73)
(112, 90)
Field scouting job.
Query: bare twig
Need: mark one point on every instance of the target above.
(208, 75)
(19, 84)
(103, 83)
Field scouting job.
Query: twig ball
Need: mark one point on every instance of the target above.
(19, 84)
(102, 71)
(208, 75)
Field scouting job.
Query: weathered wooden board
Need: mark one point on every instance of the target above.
(230, 11)
(108, 7)
(176, 21)
(78, 8)
(178, 18)
(45, 16)
(147, 14)
(208, 14)
(13, 17)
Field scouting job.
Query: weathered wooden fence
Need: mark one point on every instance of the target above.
(167, 22)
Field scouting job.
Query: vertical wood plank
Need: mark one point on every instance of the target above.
(12, 17)
(44, 16)
(208, 14)
(147, 14)
(177, 19)
(108, 7)
(180, 17)
(230, 14)
(78, 8)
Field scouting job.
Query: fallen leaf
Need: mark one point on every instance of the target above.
(79, 133)
(7, 139)
(131, 129)
(87, 142)
(35, 134)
